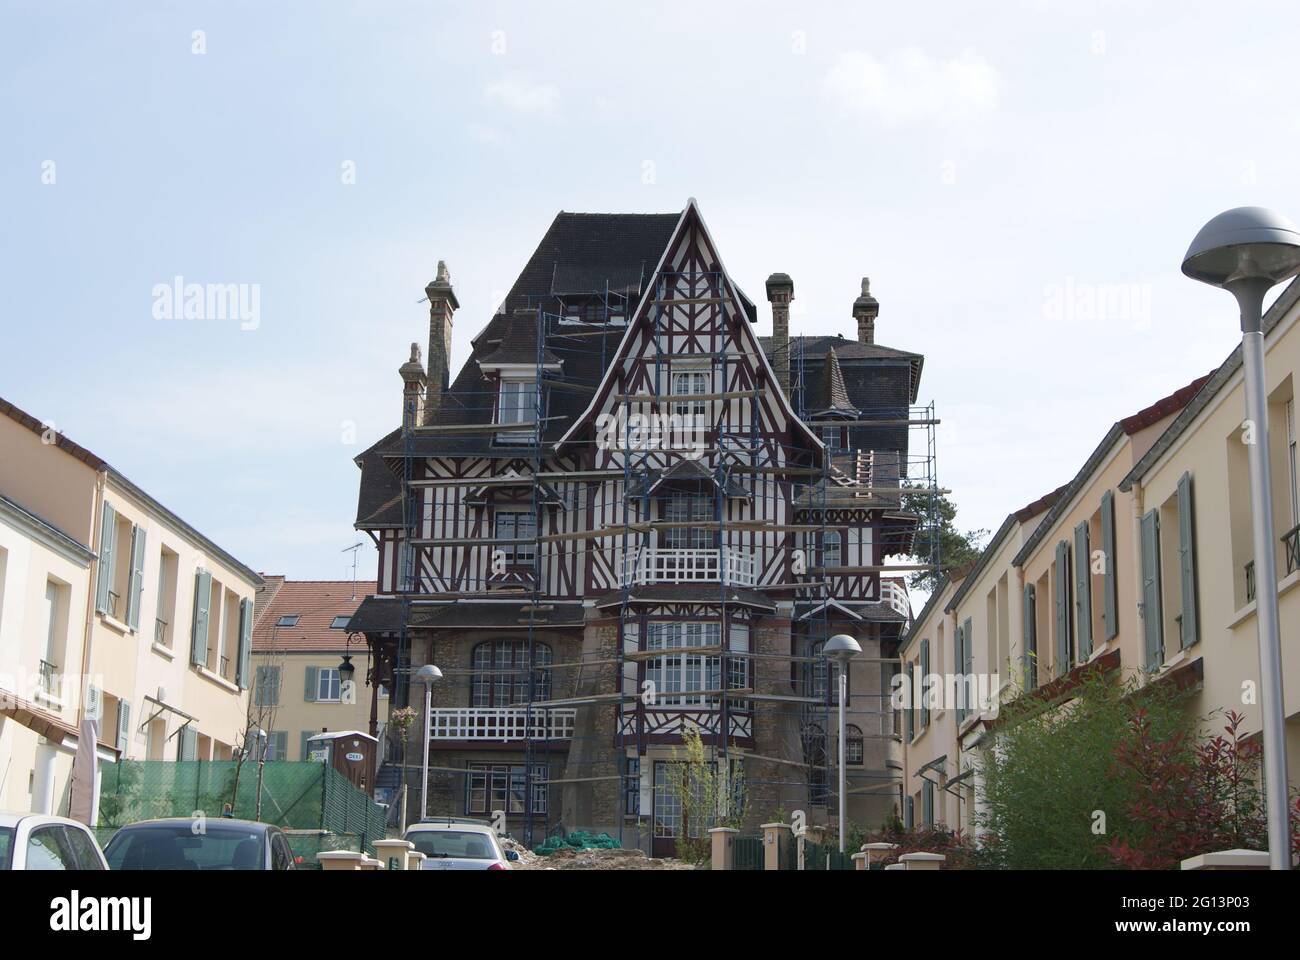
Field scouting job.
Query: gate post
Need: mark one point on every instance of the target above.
(723, 847)
(775, 847)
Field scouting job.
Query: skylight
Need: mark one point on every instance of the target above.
(288, 620)
(340, 623)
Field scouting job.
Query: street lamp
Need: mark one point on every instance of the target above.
(427, 675)
(842, 648)
(347, 671)
(1246, 251)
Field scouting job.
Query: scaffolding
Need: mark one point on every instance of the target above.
(786, 493)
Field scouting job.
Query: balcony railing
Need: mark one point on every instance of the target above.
(46, 677)
(668, 565)
(501, 723)
(160, 632)
(895, 594)
(113, 599)
(1291, 541)
(1250, 581)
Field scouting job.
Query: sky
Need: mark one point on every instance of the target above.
(1020, 182)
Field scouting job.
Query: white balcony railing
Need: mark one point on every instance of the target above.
(667, 565)
(501, 723)
(895, 594)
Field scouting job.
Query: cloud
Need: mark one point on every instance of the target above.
(912, 85)
(521, 95)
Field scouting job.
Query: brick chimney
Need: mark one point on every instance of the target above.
(780, 291)
(865, 311)
(414, 384)
(442, 304)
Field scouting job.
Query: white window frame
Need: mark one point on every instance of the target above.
(331, 674)
(832, 549)
(515, 553)
(691, 381)
(680, 678)
(691, 508)
(1291, 461)
(516, 403)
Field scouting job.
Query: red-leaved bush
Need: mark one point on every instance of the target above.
(1192, 797)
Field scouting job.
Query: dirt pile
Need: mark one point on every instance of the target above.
(598, 859)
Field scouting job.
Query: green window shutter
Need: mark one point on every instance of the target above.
(1030, 627)
(107, 533)
(312, 684)
(925, 673)
(1110, 599)
(281, 743)
(199, 630)
(123, 727)
(302, 744)
(136, 587)
(927, 803)
(911, 703)
(968, 648)
(1187, 561)
(1083, 590)
(245, 643)
(1062, 611)
(189, 743)
(1151, 614)
(956, 661)
(909, 815)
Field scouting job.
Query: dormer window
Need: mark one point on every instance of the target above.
(516, 403)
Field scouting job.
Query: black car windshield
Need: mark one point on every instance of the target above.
(461, 844)
(178, 847)
(6, 847)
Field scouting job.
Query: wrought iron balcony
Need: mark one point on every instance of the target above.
(160, 632)
(46, 677)
(1250, 581)
(669, 565)
(501, 723)
(1291, 541)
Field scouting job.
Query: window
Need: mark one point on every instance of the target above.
(165, 605)
(854, 749)
(1291, 461)
(823, 681)
(327, 684)
(1061, 609)
(288, 620)
(831, 555)
(681, 678)
(814, 754)
(691, 382)
(120, 574)
(925, 675)
(277, 745)
(515, 525)
(503, 786)
(632, 788)
(517, 403)
(267, 687)
(500, 676)
(48, 849)
(56, 632)
(339, 623)
(831, 437)
(693, 508)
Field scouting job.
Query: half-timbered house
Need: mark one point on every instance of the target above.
(628, 518)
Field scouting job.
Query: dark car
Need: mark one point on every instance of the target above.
(185, 844)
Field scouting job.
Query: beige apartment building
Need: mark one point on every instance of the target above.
(1140, 565)
(152, 638)
(299, 641)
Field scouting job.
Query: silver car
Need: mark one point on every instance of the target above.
(457, 844)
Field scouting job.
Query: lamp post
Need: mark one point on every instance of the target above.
(427, 675)
(347, 672)
(1246, 251)
(842, 648)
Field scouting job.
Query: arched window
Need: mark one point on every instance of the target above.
(501, 673)
(854, 754)
(814, 754)
(831, 554)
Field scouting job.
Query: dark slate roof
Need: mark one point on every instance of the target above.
(879, 381)
(579, 252)
(377, 615)
(834, 395)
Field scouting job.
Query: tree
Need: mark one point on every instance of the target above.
(711, 793)
(937, 533)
